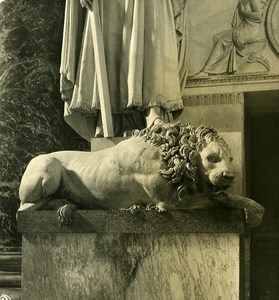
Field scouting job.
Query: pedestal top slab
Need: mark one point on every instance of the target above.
(117, 221)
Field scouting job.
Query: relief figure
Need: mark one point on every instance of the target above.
(229, 44)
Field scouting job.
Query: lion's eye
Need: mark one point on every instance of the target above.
(213, 158)
(230, 159)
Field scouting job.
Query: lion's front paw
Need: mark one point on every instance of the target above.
(161, 207)
(134, 208)
(254, 215)
(65, 214)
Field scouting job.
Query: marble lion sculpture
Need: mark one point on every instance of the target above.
(166, 166)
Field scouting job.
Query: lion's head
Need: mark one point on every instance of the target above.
(197, 159)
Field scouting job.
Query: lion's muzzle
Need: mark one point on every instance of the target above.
(223, 180)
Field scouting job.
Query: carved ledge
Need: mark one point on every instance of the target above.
(236, 83)
(115, 221)
(229, 79)
(213, 99)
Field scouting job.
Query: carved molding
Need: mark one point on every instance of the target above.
(254, 55)
(272, 23)
(232, 79)
(214, 99)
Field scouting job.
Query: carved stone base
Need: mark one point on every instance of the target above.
(117, 255)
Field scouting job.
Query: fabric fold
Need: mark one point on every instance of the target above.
(145, 51)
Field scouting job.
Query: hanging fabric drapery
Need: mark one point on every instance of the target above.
(144, 45)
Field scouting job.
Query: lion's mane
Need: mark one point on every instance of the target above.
(177, 144)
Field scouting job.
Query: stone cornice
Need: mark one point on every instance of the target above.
(229, 79)
(248, 82)
(213, 99)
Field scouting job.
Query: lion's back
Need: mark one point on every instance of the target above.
(116, 173)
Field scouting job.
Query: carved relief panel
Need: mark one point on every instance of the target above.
(232, 38)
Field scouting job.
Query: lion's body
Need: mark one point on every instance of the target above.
(116, 177)
(168, 165)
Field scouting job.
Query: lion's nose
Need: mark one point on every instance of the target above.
(229, 175)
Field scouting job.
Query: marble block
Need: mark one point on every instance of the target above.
(117, 255)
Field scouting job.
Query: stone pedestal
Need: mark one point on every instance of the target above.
(118, 255)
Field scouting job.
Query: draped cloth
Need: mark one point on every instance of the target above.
(223, 57)
(145, 51)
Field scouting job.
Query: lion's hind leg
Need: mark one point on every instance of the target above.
(40, 180)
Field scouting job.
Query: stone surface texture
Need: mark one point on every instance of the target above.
(216, 220)
(131, 266)
(120, 265)
(30, 107)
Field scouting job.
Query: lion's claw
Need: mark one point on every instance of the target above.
(65, 214)
(160, 207)
(134, 208)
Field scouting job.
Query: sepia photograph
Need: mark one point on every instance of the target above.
(139, 151)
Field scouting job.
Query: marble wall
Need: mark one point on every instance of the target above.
(30, 107)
